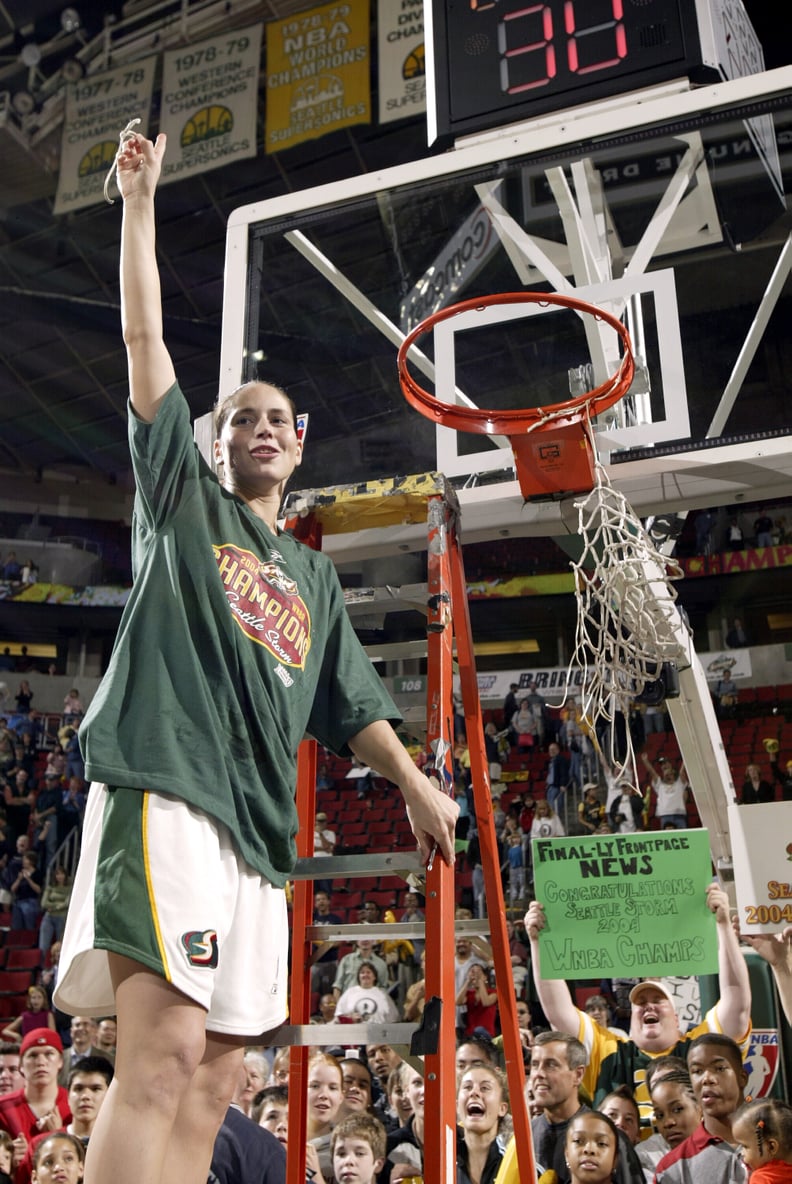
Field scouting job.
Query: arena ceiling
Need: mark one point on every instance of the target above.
(62, 366)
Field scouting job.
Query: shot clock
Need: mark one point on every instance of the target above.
(492, 62)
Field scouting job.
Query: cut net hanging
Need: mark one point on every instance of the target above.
(627, 616)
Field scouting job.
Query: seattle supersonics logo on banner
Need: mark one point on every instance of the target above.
(266, 604)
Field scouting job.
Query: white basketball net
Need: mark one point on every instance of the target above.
(627, 617)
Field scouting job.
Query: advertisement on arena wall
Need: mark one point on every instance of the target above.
(720, 664)
(209, 104)
(98, 108)
(553, 682)
(468, 249)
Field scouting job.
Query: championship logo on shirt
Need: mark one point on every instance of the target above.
(200, 946)
(266, 604)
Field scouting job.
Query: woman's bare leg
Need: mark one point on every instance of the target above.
(161, 1046)
(202, 1110)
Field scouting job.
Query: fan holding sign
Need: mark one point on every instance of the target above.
(654, 1027)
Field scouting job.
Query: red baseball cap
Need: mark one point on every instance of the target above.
(38, 1038)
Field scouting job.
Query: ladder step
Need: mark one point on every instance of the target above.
(333, 867)
(382, 931)
(326, 1035)
(395, 651)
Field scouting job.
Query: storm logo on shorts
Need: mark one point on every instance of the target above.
(266, 604)
(200, 946)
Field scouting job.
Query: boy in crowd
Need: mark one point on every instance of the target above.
(358, 1146)
(88, 1086)
(271, 1110)
(718, 1079)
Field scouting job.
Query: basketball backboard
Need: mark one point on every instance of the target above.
(666, 206)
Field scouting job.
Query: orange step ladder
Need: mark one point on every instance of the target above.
(428, 498)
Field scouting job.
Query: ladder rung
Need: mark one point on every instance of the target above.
(383, 931)
(328, 1034)
(332, 867)
(395, 651)
(362, 602)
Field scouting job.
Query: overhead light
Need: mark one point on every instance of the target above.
(72, 70)
(30, 55)
(70, 20)
(23, 102)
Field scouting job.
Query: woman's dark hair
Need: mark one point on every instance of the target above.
(481, 1040)
(581, 1114)
(770, 1119)
(75, 1142)
(279, 1094)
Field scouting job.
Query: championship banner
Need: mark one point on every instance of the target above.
(729, 563)
(625, 906)
(401, 72)
(209, 100)
(97, 110)
(317, 73)
(761, 840)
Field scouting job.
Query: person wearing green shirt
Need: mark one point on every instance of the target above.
(234, 643)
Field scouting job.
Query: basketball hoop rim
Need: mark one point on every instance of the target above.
(513, 423)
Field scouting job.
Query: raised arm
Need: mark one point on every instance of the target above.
(151, 372)
(554, 996)
(734, 1005)
(431, 813)
(653, 773)
(776, 949)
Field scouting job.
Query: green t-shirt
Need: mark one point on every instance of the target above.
(234, 643)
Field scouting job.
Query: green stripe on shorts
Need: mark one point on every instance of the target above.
(125, 919)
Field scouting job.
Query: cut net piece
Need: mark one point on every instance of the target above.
(628, 623)
(125, 135)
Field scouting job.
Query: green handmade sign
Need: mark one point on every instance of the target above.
(625, 906)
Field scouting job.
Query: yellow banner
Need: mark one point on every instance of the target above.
(317, 73)
(553, 584)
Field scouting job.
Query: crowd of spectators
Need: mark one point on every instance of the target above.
(688, 1121)
(549, 778)
(54, 1069)
(366, 1117)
